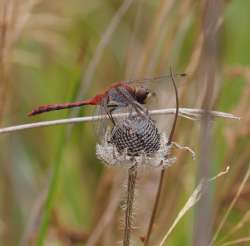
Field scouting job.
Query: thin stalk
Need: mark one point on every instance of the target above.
(132, 174)
(159, 189)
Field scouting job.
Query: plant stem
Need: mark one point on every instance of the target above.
(159, 189)
(132, 174)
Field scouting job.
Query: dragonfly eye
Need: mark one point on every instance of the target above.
(141, 95)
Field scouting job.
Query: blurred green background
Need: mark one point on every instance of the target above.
(52, 186)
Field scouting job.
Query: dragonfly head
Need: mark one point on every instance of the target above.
(142, 94)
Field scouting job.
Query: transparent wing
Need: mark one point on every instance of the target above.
(166, 78)
(162, 95)
(115, 107)
(100, 126)
(125, 106)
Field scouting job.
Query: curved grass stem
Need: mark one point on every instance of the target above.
(159, 189)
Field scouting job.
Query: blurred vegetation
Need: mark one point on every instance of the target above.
(46, 52)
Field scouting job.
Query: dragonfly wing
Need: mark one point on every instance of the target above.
(162, 95)
(100, 126)
(127, 105)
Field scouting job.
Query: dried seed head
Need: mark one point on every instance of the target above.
(136, 135)
(136, 139)
(108, 153)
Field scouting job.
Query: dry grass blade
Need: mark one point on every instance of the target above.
(155, 29)
(183, 112)
(231, 205)
(237, 241)
(193, 199)
(101, 46)
(238, 226)
(106, 217)
(34, 217)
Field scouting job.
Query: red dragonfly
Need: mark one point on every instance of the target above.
(120, 97)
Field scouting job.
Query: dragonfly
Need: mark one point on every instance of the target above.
(136, 131)
(118, 95)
